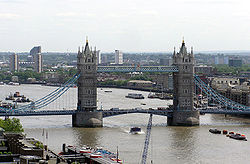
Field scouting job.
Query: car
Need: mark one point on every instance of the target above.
(113, 109)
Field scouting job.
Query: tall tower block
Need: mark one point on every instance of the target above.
(86, 115)
(184, 113)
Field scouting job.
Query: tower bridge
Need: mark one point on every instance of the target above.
(87, 114)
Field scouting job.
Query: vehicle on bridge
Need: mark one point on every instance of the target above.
(162, 108)
(114, 109)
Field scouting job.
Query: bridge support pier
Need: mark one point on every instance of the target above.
(184, 118)
(87, 119)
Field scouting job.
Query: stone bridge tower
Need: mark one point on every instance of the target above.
(184, 113)
(86, 115)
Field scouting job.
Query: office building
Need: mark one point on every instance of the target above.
(235, 63)
(118, 57)
(14, 66)
(221, 59)
(37, 58)
(166, 62)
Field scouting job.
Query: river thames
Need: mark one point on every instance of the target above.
(168, 144)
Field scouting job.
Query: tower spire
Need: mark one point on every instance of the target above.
(87, 41)
(183, 40)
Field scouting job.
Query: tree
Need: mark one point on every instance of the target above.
(11, 125)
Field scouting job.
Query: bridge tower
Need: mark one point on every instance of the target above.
(184, 113)
(86, 115)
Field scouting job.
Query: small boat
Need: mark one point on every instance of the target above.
(215, 131)
(135, 96)
(10, 98)
(143, 104)
(107, 91)
(238, 137)
(116, 160)
(152, 95)
(135, 130)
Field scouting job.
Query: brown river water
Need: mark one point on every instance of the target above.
(168, 144)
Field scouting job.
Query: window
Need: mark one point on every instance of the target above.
(89, 67)
(89, 60)
(185, 91)
(186, 60)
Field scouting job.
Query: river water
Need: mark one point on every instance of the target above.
(168, 144)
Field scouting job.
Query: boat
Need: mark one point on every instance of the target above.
(215, 131)
(238, 136)
(135, 130)
(107, 91)
(152, 95)
(143, 104)
(1, 83)
(17, 94)
(135, 96)
(10, 97)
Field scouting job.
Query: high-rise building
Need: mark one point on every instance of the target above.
(37, 58)
(221, 59)
(118, 57)
(14, 65)
(235, 62)
(166, 62)
(99, 57)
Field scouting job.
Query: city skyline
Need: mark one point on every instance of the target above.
(131, 26)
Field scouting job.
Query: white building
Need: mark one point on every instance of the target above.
(99, 57)
(118, 57)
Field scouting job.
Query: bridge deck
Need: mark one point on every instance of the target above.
(109, 113)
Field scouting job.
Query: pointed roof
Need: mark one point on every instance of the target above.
(86, 49)
(183, 49)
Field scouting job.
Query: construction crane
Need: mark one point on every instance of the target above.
(146, 143)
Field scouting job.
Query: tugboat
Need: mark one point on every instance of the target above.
(135, 130)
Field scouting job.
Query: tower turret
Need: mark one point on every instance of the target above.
(184, 113)
(87, 82)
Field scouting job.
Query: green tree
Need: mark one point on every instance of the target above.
(11, 125)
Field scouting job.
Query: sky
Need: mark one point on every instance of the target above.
(127, 25)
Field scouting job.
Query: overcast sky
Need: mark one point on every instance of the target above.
(128, 25)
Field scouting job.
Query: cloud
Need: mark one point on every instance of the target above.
(66, 14)
(11, 1)
(8, 16)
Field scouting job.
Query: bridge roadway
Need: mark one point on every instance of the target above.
(109, 113)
